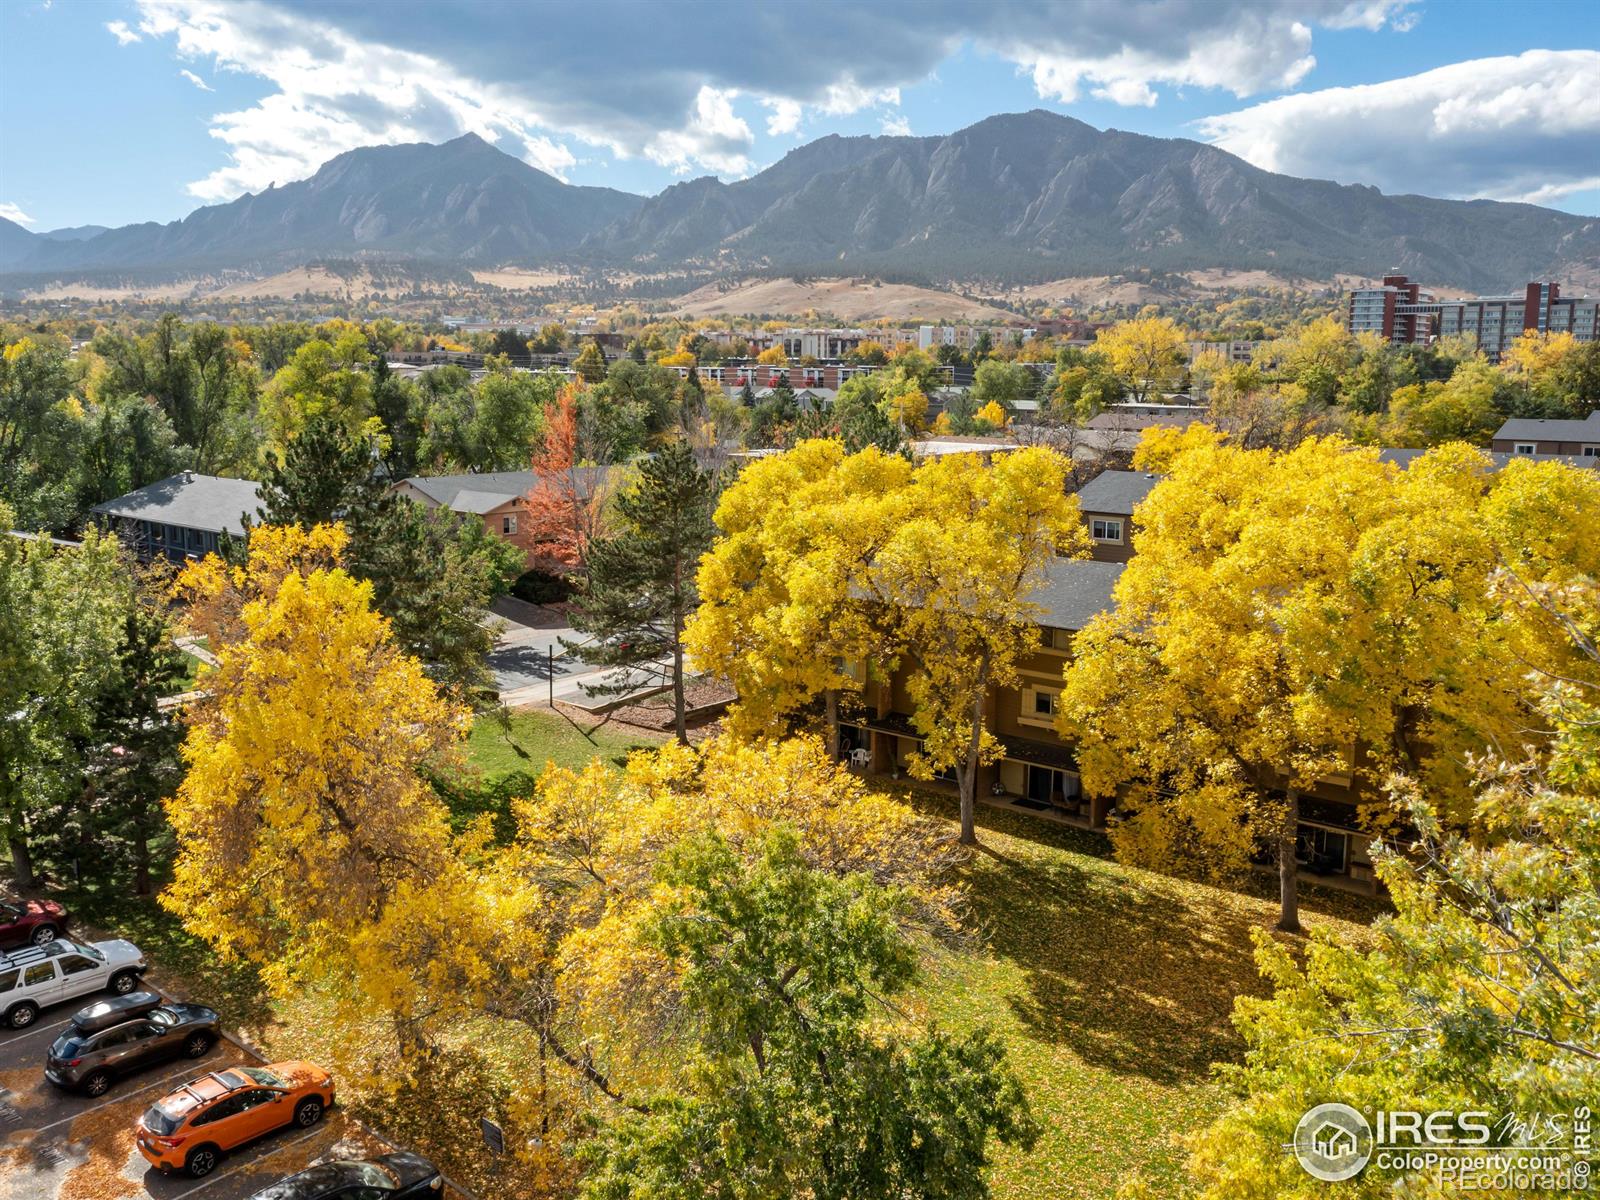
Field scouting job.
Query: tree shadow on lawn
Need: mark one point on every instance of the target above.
(1133, 979)
(1132, 971)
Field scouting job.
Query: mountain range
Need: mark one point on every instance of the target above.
(1022, 197)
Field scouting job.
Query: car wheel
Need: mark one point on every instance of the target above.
(22, 1015)
(123, 982)
(43, 935)
(307, 1113)
(97, 1083)
(201, 1162)
(197, 1045)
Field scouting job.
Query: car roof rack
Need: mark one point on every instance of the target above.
(27, 955)
(106, 1014)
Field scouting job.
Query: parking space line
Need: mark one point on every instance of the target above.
(83, 1112)
(34, 1031)
(227, 1164)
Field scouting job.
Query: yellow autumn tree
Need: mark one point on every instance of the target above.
(1293, 619)
(829, 559)
(1147, 354)
(608, 1006)
(773, 356)
(302, 816)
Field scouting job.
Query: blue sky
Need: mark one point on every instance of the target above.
(114, 111)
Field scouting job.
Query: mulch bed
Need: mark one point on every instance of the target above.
(654, 713)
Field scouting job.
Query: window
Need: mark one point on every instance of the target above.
(1525, 448)
(76, 964)
(1055, 639)
(220, 1111)
(1039, 706)
(1590, 451)
(8, 980)
(1104, 529)
(1323, 850)
(508, 525)
(39, 973)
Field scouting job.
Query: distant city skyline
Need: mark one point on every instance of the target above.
(135, 110)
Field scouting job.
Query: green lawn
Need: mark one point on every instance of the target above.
(1113, 988)
(538, 737)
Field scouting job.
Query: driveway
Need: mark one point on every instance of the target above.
(58, 1145)
(528, 654)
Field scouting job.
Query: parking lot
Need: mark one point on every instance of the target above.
(59, 1145)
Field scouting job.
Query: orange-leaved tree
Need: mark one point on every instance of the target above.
(564, 509)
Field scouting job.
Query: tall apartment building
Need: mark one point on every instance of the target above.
(1402, 312)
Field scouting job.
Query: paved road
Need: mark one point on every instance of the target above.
(521, 660)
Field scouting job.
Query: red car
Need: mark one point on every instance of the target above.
(31, 922)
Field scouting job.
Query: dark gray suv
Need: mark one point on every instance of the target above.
(130, 1033)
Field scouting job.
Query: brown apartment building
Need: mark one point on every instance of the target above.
(1575, 439)
(1038, 769)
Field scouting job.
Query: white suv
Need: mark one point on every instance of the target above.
(35, 976)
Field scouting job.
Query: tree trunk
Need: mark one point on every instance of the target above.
(141, 857)
(21, 861)
(830, 703)
(968, 777)
(1288, 869)
(680, 723)
(678, 720)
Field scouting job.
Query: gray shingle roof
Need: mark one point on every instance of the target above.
(191, 501)
(444, 489)
(1499, 458)
(1529, 429)
(1115, 491)
(1074, 590)
(488, 490)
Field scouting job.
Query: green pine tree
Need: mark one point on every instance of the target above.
(641, 583)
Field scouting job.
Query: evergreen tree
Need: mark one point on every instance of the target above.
(325, 475)
(433, 573)
(640, 588)
(395, 404)
(134, 762)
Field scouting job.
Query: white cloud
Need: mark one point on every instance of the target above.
(120, 31)
(895, 125)
(335, 93)
(847, 96)
(1521, 127)
(714, 136)
(348, 75)
(785, 118)
(197, 81)
(12, 212)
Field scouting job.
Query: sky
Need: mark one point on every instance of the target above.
(117, 111)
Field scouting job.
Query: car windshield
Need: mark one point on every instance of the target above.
(163, 1120)
(263, 1076)
(164, 1016)
(92, 953)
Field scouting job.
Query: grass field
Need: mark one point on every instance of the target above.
(542, 737)
(1113, 988)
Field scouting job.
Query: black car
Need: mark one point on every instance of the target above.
(387, 1177)
(129, 1033)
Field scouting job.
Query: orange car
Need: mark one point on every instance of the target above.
(191, 1128)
